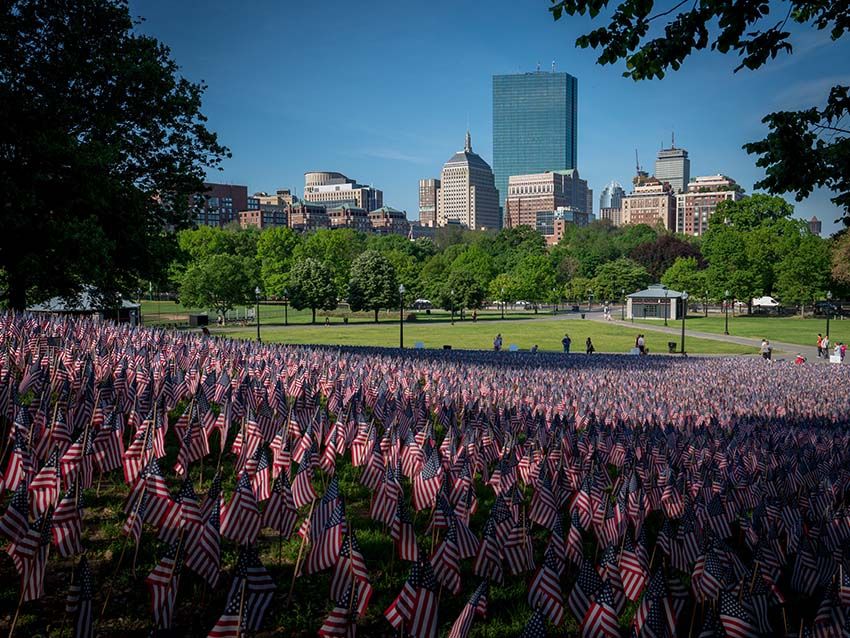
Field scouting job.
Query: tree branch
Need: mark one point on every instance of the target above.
(665, 13)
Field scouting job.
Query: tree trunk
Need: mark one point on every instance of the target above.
(17, 293)
(314, 314)
(376, 315)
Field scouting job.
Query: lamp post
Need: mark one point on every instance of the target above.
(684, 316)
(285, 306)
(726, 308)
(401, 315)
(705, 305)
(503, 303)
(452, 302)
(257, 293)
(666, 304)
(828, 312)
(623, 305)
(555, 297)
(589, 301)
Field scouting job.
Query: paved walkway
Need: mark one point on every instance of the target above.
(810, 352)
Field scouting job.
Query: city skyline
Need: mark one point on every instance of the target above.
(417, 102)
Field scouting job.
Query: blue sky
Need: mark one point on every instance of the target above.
(383, 90)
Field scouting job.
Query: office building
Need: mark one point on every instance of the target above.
(389, 221)
(695, 206)
(349, 217)
(428, 192)
(535, 125)
(531, 194)
(307, 216)
(331, 188)
(612, 215)
(264, 216)
(282, 196)
(652, 203)
(467, 194)
(611, 196)
(673, 166)
(220, 204)
(815, 225)
(552, 224)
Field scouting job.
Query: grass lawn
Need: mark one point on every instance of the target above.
(546, 334)
(787, 329)
(168, 312)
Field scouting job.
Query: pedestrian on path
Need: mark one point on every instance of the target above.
(766, 350)
(825, 346)
(497, 342)
(589, 346)
(566, 341)
(820, 345)
(641, 344)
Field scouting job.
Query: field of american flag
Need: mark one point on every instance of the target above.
(159, 482)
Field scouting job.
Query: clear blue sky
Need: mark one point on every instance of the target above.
(383, 90)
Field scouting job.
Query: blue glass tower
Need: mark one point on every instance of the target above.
(534, 125)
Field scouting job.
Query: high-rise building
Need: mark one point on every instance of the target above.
(552, 224)
(428, 191)
(651, 203)
(331, 188)
(611, 195)
(673, 166)
(467, 194)
(220, 204)
(529, 195)
(695, 206)
(815, 225)
(613, 215)
(535, 125)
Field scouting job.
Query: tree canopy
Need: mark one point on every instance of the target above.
(218, 281)
(103, 145)
(311, 285)
(373, 284)
(804, 149)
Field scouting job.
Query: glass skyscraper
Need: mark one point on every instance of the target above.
(534, 125)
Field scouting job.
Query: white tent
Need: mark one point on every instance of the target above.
(765, 302)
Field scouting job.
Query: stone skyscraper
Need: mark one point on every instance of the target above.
(467, 195)
(535, 125)
(674, 167)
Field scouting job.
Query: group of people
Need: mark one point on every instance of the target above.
(766, 350)
(839, 349)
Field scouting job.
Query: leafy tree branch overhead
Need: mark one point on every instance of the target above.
(804, 149)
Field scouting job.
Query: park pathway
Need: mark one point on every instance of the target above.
(810, 352)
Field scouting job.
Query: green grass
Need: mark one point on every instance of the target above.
(168, 312)
(546, 334)
(788, 329)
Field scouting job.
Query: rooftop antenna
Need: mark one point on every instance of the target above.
(637, 162)
(553, 66)
(673, 139)
(538, 67)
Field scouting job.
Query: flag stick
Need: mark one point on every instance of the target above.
(298, 560)
(241, 607)
(26, 576)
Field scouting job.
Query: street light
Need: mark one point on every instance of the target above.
(726, 307)
(555, 297)
(401, 315)
(257, 293)
(503, 303)
(285, 306)
(828, 309)
(666, 304)
(705, 305)
(452, 302)
(589, 301)
(684, 316)
(623, 305)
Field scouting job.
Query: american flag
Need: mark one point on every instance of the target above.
(30, 554)
(302, 486)
(403, 534)
(351, 568)
(585, 587)
(535, 627)
(475, 606)
(163, 583)
(15, 520)
(68, 523)
(252, 591)
(45, 486)
(488, 559)
(342, 620)
(240, 521)
(517, 549)
(280, 513)
(655, 616)
(327, 542)
(735, 619)
(601, 618)
(427, 483)
(544, 593)
(633, 568)
(78, 603)
(446, 561)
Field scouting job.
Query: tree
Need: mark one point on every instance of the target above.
(337, 248)
(475, 261)
(461, 290)
(802, 276)
(505, 288)
(104, 145)
(373, 284)
(658, 255)
(221, 282)
(841, 259)
(275, 250)
(685, 275)
(311, 285)
(618, 275)
(534, 278)
(805, 149)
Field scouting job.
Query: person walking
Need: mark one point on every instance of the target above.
(825, 346)
(588, 345)
(641, 345)
(566, 341)
(766, 350)
(843, 350)
(497, 342)
(820, 345)
(534, 349)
